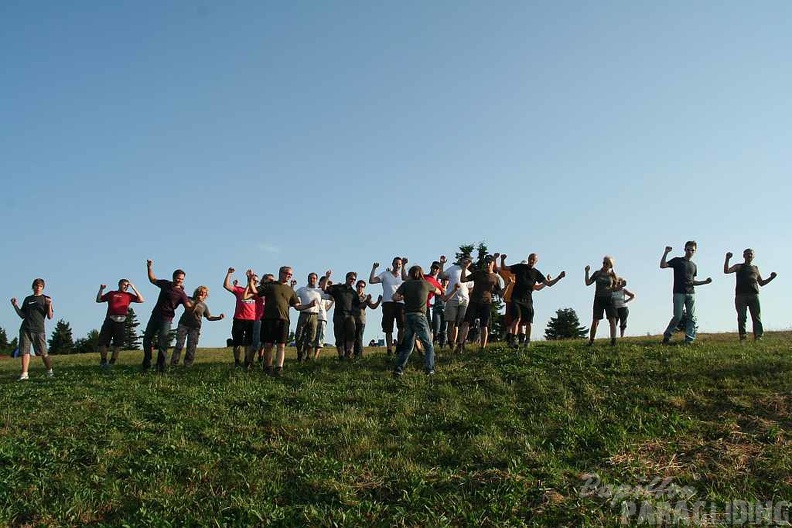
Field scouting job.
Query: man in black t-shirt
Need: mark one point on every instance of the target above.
(746, 293)
(171, 296)
(35, 308)
(684, 293)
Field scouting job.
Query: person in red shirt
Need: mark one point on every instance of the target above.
(113, 327)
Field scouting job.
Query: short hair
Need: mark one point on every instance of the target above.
(284, 269)
(178, 272)
(122, 281)
(322, 279)
(314, 274)
(395, 259)
(747, 250)
(361, 282)
(691, 243)
(37, 281)
(351, 274)
(416, 272)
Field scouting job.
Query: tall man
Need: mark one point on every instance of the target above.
(414, 293)
(392, 311)
(171, 296)
(526, 279)
(746, 293)
(685, 272)
(113, 327)
(456, 306)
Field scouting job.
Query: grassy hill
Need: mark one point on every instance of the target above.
(559, 435)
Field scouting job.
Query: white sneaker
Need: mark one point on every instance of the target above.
(50, 373)
(23, 377)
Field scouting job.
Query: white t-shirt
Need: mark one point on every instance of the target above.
(389, 285)
(307, 295)
(324, 305)
(454, 273)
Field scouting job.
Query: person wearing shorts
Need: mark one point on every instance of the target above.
(321, 318)
(485, 283)
(242, 327)
(113, 327)
(605, 279)
(35, 308)
(527, 279)
(621, 296)
(278, 297)
(456, 307)
(392, 311)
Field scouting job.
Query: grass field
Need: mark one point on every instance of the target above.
(559, 435)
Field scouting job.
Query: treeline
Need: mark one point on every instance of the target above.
(62, 339)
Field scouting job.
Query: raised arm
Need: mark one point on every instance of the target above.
(589, 280)
(551, 282)
(772, 276)
(137, 293)
(250, 289)
(373, 279)
(404, 268)
(19, 312)
(227, 282)
(48, 306)
(374, 305)
(726, 268)
(99, 294)
(503, 265)
(663, 263)
(150, 268)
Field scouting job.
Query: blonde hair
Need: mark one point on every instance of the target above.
(198, 291)
(614, 278)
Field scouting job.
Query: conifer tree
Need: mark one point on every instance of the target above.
(131, 337)
(61, 341)
(565, 325)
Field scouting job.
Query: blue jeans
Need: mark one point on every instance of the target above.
(416, 326)
(160, 326)
(439, 324)
(688, 301)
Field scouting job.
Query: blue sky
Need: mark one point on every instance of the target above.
(205, 135)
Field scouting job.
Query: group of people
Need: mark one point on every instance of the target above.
(424, 309)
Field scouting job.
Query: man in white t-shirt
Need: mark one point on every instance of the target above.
(392, 311)
(456, 307)
(307, 323)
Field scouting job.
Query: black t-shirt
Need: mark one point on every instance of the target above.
(169, 299)
(35, 311)
(747, 280)
(344, 297)
(684, 274)
(525, 277)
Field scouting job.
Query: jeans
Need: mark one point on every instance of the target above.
(439, 324)
(160, 326)
(191, 335)
(416, 326)
(360, 328)
(688, 302)
(744, 302)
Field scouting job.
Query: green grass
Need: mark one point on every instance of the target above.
(496, 439)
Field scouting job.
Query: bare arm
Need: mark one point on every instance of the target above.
(589, 280)
(708, 280)
(137, 293)
(99, 294)
(373, 279)
(629, 295)
(549, 282)
(227, 282)
(450, 295)
(48, 305)
(663, 263)
(374, 305)
(150, 268)
(404, 268)
(726, 268)
(772, 276)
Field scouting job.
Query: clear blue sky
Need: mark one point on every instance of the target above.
(204, 135)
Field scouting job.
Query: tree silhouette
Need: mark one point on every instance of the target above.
(131, 337)
(61, 341)
(565, 325)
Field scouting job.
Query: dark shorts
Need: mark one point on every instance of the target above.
(112, 331)
(242, 332)
(621, 314)
(344, 329)
(478, 311)
(604, 304)
(274, 331)
(392, 311)
(524, 311)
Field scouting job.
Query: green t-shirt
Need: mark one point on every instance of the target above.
(415, 293)
(278, 297)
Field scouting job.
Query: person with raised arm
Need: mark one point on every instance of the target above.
(243, 331)
(308, 321)
(321, 317)
(359, 313)
(746, 292)
(485, 283)
(344, 324)
(605, 278)
(35, 308)
(414, 293)
(621, 296)
(189, 328)
(527, 279)
(685, 282)
(392, 311)
(112, 331)
(171, 296)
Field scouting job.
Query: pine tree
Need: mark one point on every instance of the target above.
(131, 337)
(4, 344)
(565, 325)
(61, 341)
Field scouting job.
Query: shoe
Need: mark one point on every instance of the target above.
(278, 372)
(757, 339)
(613, 342)
(666, 341)
(268, 370)
(430, 372)
(24, 377)
(50, 373)
(398, 373)
(590, 344)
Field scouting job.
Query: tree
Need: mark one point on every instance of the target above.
(4, 344)
(565, 325)
(61, 341)
(89, 343)
(496, 325)
(131, 337)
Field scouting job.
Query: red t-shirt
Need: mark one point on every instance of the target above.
(245, 308)
(118, 302)
(434, 282)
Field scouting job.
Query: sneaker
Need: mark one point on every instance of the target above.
(758, 338)
(24, 377)
(50, 373)
(666, 341)
(430, 372)
(613, 342)
(398, 373)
